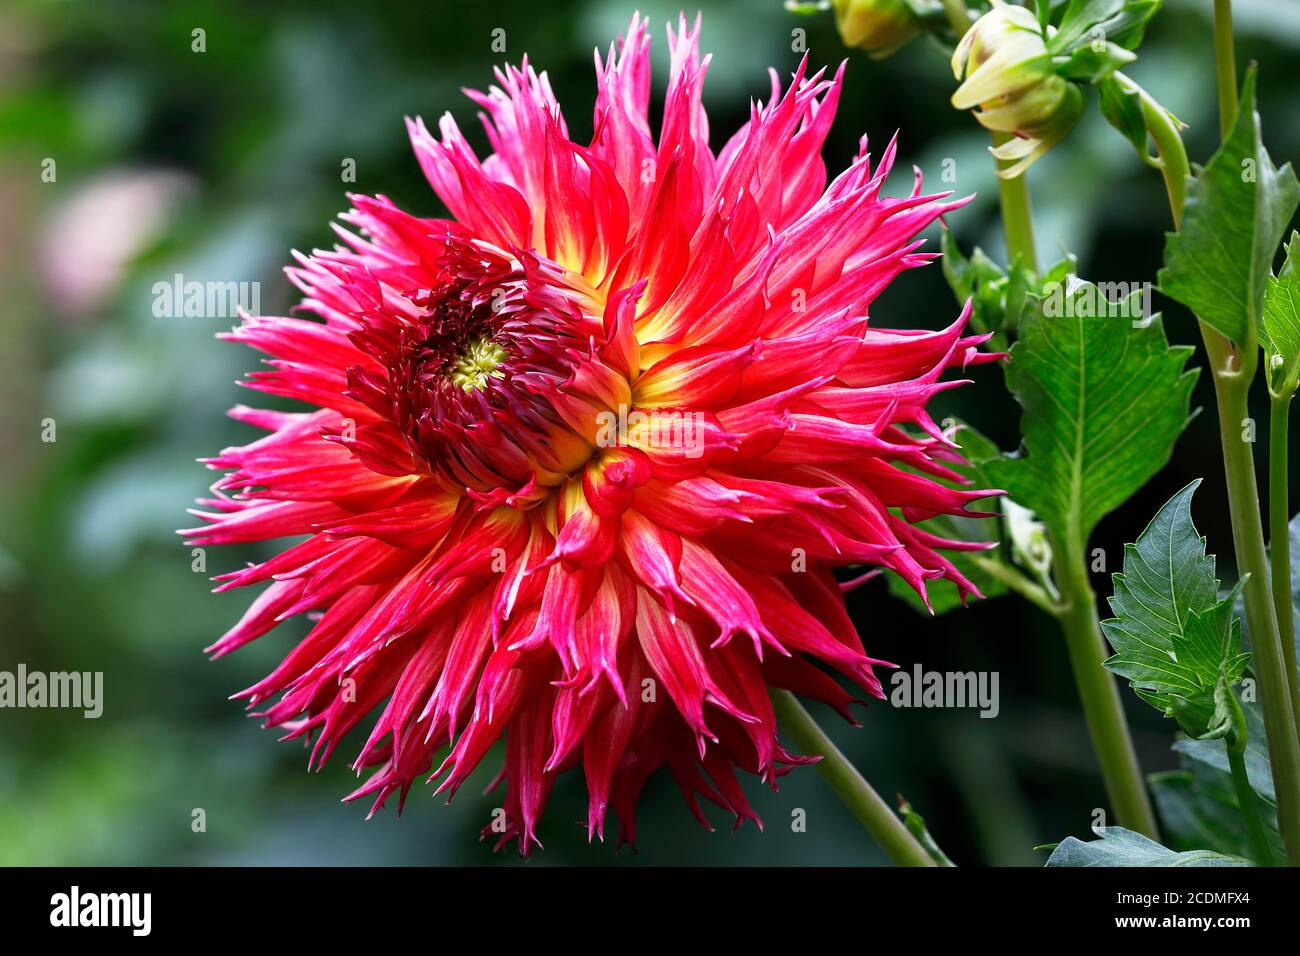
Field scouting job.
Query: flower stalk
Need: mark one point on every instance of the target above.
(1233, 371)
(1225, 62)
(1231, 387)
(858, 795)
(1247, 800)
(1279, 540)
(1102, 706)
(1017, 213)
(1034, 593)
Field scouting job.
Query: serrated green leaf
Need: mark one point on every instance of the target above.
(1174, 638)
(1238, 207)
(1103, 403)
(1116, 846)
(1279, 324)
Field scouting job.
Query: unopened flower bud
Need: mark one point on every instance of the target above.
(1009, 80)
(878, 26)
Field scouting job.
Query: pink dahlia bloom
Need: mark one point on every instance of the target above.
(581, 461)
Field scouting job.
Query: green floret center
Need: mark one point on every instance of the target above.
(480, 361)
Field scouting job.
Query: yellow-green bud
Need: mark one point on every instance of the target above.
(1010, 82)
(878, 26)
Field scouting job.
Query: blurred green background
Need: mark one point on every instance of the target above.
(215, 165)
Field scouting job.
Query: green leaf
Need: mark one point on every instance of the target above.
(1175, 639)
(1122, 107)
(1044, 10)
(1104, 401)
(1119, 21)
(915, 824)
(1092, 64)
(1279, 325)
(1237, 210)
(1116, 846)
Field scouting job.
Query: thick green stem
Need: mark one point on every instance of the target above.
(872, 812)
(1247, 801)
(1017, 214)
(1234, 370)
(1248, 804)
(1248, 541)
(1279, 542)
(958, 16)
(1102, 706)
(1225, 61)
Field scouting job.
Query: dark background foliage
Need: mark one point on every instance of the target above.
(215, 165)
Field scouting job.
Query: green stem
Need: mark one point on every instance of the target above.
(1017, 215)
(1102, 706)
(1247, 801)
(1248, 541)
(1164, 131)
(958, 16)
(1013, 579)
(1248, 805)
(872, 812)
(1234, 370)
(1225, 61)
(1279, 542)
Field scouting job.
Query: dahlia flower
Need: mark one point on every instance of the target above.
(581, 460)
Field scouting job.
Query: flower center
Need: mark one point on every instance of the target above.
(479, 361)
